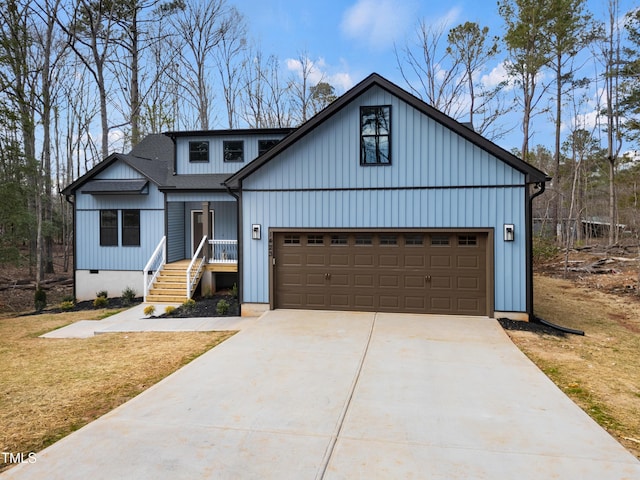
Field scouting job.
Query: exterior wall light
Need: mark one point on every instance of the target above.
(509, 232)
(255, 231)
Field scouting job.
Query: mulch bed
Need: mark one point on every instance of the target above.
(535, 327)
(206, 307)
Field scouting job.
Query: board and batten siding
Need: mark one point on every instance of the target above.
(92, 256)
(225, 222)
(175, 231)
(216, 163)
(437, 179)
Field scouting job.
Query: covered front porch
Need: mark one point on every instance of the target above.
(200, 246)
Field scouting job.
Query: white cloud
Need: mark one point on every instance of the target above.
(497, 75)
(321, 72)
(378, 23)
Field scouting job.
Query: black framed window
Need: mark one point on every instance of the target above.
(199, 151)
(375, 135)
(131, 228)
(264, 145)
(108, 228)
(233, 150)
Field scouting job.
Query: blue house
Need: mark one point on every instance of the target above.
(378, 203)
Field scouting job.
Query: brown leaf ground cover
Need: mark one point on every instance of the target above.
(601, 370)
(51, 387)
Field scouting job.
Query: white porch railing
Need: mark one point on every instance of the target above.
(195, 267)
(154, 265)
(224, 251)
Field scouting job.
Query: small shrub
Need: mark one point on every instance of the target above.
(67, 305)
(189, 304)
(128, 296)
(149, 310)
(234, 290)
(102, 293)
(544, 249)
(169, 309)
(222, 307)
(69, 298)
(40, 299)
(100, 302)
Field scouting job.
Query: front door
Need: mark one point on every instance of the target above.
(197, 228)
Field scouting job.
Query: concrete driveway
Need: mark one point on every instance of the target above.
(311, 395)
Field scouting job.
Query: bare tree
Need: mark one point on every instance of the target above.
(200, 26)
(265, 98)
(229, 60)
(92, 24)
(431, 72)
(569, 35)
(300, 86)
(472, 46)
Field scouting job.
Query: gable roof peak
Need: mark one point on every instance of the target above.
(533, 175)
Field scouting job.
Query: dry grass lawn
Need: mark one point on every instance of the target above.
(600, 371)
(51, 387)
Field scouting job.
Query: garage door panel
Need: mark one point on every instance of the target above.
(388, 260)
(415, 303)
(315, 300)
(414, 281)
(389, 281)
(468, 261)
(414, 261)
(363, 281)
(339, 260)
(469, 305)
(364, 302)
(291, 279)
(314, 259)
(422, 273)
(315, 280)
(364, 260)
(440, 261)
(340, 300)
(440, 304)
(339, 279)
(468, 283)
(389, 301)
(441, 283)
(291, 259)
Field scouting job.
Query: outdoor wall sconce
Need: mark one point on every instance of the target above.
(255, 231)
(509, 232)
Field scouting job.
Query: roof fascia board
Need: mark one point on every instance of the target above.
(230, 132)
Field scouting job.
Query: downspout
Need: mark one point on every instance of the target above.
(68, 199)
(530, 310)
(239, 237)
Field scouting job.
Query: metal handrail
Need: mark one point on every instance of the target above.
(200, 265)
(152, 266)
(224, 251)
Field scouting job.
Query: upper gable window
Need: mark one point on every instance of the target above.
(375, 135)
(233, 150)
(199, 151)
(264, 145)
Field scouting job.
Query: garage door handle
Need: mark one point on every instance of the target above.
(327, 276)
(427, 278)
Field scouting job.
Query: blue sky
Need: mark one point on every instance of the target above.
(349, 39)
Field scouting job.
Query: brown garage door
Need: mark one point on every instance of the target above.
(442, 272)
